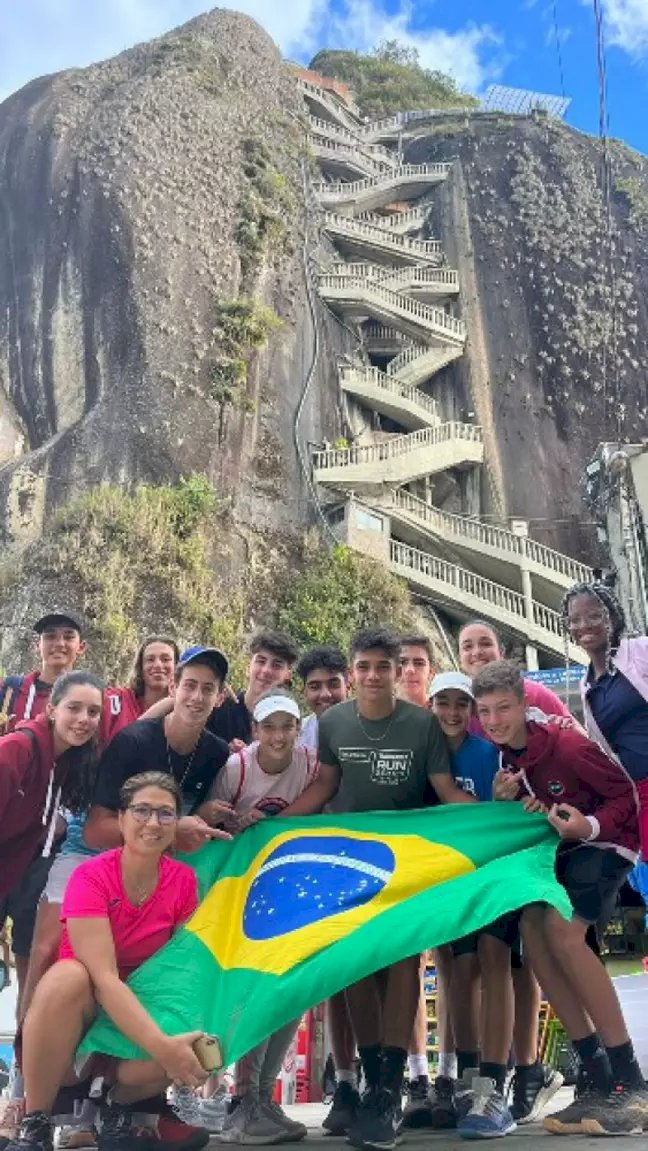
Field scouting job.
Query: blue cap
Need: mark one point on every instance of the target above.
(209, 655)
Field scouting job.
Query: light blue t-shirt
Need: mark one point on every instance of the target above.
(474, 766)
(74, 843)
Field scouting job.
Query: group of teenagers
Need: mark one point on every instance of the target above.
(100, 786)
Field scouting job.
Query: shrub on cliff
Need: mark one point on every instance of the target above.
(390, 79)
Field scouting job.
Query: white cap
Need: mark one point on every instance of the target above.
(451, 680)
(274, 703)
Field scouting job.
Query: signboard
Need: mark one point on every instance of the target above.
(556, 677)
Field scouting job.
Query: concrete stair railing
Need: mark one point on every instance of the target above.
(340, 152)
(486, 539)
(408, 176)
(346, 115)
(409, 406)
(418, 362)
(381, 241)
(426, 281)
(399, 222)
(367, 296)
(470, 594)
(401, 459)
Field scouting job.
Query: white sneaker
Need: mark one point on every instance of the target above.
(185, 1104)
(212, 1112)
(294, 1131)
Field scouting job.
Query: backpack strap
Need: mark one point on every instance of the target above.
(237, 795)
(9, 689)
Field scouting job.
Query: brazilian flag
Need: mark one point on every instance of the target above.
(294, 910)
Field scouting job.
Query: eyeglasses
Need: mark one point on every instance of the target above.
(596, 617)
(142, 812)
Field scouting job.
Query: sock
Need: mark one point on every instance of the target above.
(466, 1060)
(447, 1065)
(595, 1061)
(494, 1071)
(393, 1068)
(524, 1068)
(347, 1077)
(624, 1064)
(371, 1058)
(417, 1065)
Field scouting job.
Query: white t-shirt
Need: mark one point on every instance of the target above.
(308, 733)
(244, 784)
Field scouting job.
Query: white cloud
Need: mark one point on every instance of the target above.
(627, 25)
(41, 36)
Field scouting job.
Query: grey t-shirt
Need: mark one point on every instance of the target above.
(389, 771)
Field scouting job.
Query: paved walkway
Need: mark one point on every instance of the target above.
(524, 1139)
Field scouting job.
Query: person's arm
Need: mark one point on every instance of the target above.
(616, 809)
(157, 710)
(94, 947)
(439, 768)
(318, 793)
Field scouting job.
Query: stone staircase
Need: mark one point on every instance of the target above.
(396, 288)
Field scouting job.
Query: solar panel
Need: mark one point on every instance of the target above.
(521, 102)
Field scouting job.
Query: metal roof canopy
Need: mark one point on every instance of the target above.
(499, 98)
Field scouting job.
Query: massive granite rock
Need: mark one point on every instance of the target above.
(134, 198)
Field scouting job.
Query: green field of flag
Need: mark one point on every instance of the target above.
(294, 910)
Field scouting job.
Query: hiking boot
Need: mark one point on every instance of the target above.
(463, 1092)
(293, 1129)
(623, 1112)
(443, 1108)
(118, 1131)
(378, 1121)
(251, 1126)
(586, 1105)
(346, 1101)
(12, 1113)
(489, 1116)
(34, 1134)
(417, 1108)
(176, 1135)
(531, 1090)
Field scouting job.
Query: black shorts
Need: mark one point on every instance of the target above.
(592, 878)
(506, 929)
(21, 904)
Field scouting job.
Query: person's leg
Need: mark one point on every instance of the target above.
(533, 1083)
(444, 962)
(277, 1046)
(399, 1010)
(246, 1123)
(365, 1012)
(44, 950)
(416, 1113)
(346, 1098)
(342, 1039)
(62, 1007)
(417, 1054)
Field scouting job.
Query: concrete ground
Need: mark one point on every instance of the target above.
(524, 1139)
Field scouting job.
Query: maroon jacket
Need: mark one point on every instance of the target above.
(29, 789)
(562, 765)
(27, 702)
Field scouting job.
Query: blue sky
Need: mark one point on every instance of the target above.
(479, 41)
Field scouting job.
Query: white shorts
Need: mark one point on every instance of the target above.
(60, 872)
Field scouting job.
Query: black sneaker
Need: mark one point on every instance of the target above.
(378, 1121)
(34, 1134)
(118, 1132)
(417, 1108)
(346, 1101)
(531, 1089)
(624, 1112)
(570, 1120)
(443, 1109)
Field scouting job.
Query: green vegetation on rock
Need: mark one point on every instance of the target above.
(391, 79)
(265, 207)
(635, 195)
(242, 327)
(338, 593)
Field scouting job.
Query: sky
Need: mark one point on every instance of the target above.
(538, 44)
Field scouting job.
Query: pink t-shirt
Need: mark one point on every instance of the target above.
(95, 891)
(535, 695)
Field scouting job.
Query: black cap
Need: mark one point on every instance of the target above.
(60, 619)
(210, 655)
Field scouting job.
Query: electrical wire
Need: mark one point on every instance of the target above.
(561, 69)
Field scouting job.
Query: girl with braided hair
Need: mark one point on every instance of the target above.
(614, 688)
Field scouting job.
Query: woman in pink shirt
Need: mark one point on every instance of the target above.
(119, 908)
